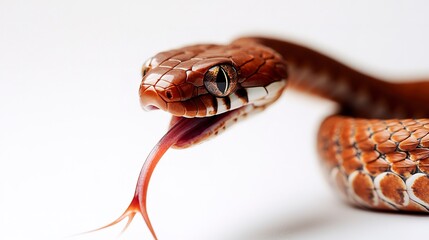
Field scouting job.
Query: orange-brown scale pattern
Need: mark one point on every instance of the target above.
(380, 164)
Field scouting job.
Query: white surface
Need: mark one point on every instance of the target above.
(73, 136)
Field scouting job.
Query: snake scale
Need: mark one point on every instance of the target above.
(375, 149)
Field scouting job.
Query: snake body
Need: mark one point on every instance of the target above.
(375, 149)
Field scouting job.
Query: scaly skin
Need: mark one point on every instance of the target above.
(379, 164)
(376, 157)
(175, 80)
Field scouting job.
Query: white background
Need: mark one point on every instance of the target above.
(73, 136)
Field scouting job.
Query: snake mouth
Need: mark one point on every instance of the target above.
(151, 107)
(201, 129)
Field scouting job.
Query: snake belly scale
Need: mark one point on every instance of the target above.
(375, 149)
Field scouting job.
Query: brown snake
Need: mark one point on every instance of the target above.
(375, 150)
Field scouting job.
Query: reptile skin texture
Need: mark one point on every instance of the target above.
(375, 149)
(380, 164)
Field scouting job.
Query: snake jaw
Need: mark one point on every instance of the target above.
(214, 125)
(208, 127)
(227, 112)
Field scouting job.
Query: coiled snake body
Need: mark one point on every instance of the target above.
(376, 149)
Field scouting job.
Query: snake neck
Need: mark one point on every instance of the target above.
(358, 94)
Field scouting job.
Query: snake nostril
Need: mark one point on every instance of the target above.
(168, 94)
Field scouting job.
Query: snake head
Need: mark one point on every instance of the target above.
(206, 88)
(213, 84)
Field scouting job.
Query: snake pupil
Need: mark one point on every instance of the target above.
(222, 80)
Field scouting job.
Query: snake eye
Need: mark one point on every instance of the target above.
(220, 80)
(146, 67)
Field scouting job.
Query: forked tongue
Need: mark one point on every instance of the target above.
(178, 130)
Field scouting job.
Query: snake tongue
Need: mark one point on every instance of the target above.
(181, 127)
(182, 132)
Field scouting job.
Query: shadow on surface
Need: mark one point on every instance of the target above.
(328, 219)
(306, 221)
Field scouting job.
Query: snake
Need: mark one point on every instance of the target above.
(374, 149)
